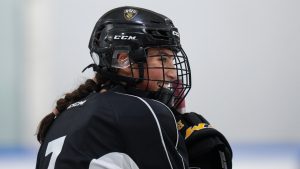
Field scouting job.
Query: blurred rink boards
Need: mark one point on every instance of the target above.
(245, 157)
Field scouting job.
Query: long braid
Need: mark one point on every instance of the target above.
(81, 92)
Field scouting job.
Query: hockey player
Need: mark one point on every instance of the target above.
(126, 117)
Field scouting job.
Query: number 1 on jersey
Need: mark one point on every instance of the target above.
(54, 147)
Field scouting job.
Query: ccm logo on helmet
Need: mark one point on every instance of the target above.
(175, 33)
(124, 37)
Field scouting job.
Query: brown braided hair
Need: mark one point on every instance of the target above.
(81, 92)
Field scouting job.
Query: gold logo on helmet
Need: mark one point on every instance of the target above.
(129, 14)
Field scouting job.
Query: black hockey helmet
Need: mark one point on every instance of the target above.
(134, 30)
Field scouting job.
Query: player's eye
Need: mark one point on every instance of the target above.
(163, 58)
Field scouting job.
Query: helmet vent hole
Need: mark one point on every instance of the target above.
(156, 22)
(159, 34)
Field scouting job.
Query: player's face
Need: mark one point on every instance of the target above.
(160, 71)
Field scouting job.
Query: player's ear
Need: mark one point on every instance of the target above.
(122, 57)
(123, 63)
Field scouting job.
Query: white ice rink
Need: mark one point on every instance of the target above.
(245, 157)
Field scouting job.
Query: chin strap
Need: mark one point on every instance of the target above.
(164, 95)
(141, 72)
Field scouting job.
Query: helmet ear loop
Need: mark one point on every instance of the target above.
(141, 72)
(132, 68)
(140, 61)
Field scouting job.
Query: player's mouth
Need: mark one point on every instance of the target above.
(164, 84)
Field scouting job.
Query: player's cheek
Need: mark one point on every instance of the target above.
(157, 74)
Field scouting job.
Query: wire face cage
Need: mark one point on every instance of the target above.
(183, 85)
(175, 88)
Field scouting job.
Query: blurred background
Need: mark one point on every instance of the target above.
(244, 56)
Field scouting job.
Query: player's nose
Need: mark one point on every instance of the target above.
(171, 73)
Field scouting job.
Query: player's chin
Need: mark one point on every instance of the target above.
(153, 88)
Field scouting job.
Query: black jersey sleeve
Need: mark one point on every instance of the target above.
(207, 147)
(85, 136)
